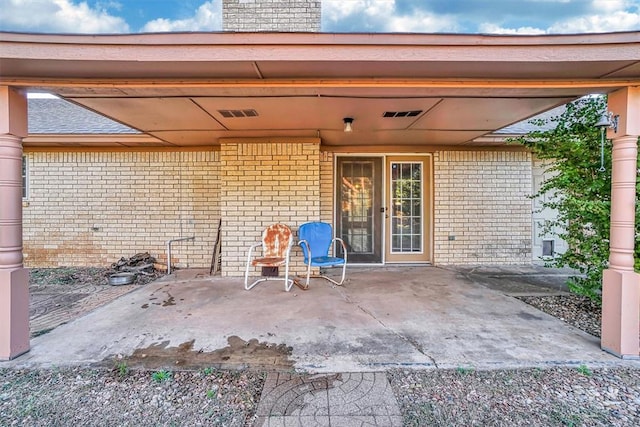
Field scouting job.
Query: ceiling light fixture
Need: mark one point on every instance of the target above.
(348, 124)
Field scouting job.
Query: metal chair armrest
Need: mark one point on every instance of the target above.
(300, 243)
(344, 247)
(286, 254)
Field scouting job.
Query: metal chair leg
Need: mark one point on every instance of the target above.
(288, 284)
(344, 271)
(308, 274)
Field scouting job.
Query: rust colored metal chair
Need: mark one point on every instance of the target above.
(316, 240)
(277, 240)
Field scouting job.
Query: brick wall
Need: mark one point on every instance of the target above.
(266, 181)
(271, 15)
(87, 208)
(91, 208)
(481, 201)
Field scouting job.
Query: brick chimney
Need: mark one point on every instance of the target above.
(271, 15)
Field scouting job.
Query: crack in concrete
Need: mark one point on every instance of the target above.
(411, 341)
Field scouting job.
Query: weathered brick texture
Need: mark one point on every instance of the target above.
(271, 15)
(266, 181)
(481, 201)
(91, 208)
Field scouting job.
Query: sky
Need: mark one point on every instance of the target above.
(377, 16)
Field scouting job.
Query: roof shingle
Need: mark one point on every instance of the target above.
(57, 116)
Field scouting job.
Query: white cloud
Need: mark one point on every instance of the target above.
(619, 20)
(336, 10)
(606, 16)
(420, 22)
(487, 28)
(58, 16)
(206, 18)
(383, 16)
(608, 6)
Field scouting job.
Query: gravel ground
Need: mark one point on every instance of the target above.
(576, 310)
(89, 396)
(532, 397)
(118, 397)
(464, 397)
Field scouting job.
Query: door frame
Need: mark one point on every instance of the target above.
(426, 255)
(428, 201)
(377, 217)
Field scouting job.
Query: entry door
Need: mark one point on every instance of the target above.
(359, 207)
(408, 209)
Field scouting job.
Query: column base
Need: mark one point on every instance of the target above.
(14, 313)
(621, 313)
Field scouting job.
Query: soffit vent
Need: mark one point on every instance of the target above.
(229, 114)
(412, 113)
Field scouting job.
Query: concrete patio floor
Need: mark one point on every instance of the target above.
(410, 317)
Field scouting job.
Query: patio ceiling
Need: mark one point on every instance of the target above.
(187, 89)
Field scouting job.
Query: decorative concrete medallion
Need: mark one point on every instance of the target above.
(347, 399)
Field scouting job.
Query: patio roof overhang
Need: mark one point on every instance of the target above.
(448, 90)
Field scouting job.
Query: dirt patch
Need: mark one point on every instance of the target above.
(239, 354)
(59, 295)
(40, 278)
(66, 276)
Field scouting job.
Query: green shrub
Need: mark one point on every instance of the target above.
(579, 191)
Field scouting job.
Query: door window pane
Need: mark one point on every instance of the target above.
(357, 199)
(406, 207)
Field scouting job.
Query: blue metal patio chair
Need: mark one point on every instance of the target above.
(316, 240)
(277, 240)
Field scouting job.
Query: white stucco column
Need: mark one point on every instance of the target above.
(620, 284)
(14, 279)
